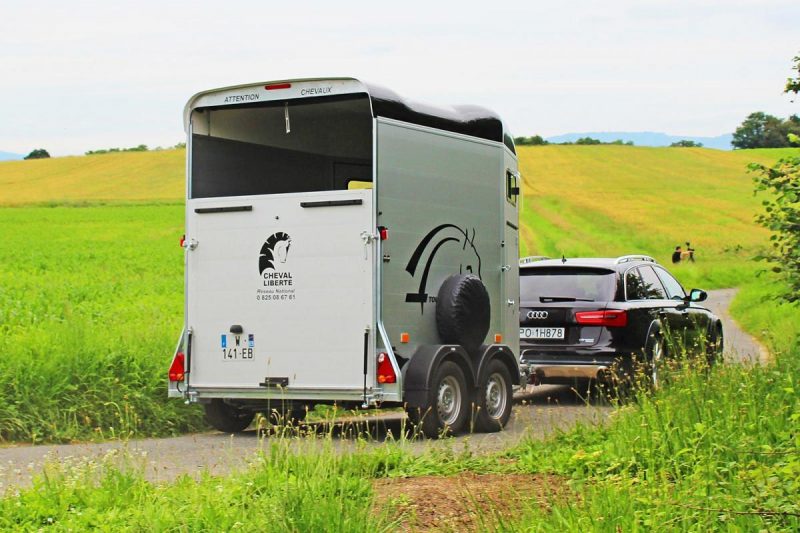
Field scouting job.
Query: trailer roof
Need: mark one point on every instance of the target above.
(471, 120)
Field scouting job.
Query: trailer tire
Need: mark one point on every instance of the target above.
(227, 418)
(494, 398)
(463, 311)
(287, 416)
(446, 408)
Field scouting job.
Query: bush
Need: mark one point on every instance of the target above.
(39, 153)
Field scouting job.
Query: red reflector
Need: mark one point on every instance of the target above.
(276, 86)
(176, 369)
(611, 318)
(183, 240)
(385, 370)
(384, 233)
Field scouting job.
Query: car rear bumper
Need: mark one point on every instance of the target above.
(561, 367)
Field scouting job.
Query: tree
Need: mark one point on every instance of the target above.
(39, 153)
(782, 211)
(793, 84)
(686, 144)
(760, 130)
(587, 140)
(535, 140)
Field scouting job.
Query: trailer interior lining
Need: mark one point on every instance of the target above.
(303, 145)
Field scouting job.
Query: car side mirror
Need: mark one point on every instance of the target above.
(697, 295)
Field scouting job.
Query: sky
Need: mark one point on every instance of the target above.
(84, 75)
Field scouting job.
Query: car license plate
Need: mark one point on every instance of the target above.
(541, 333)
(237, 347)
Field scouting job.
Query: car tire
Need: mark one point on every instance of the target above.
(494, 398)
(463, 311)
(715, 346)
(227, 418)
(656, 355)
(446, 409)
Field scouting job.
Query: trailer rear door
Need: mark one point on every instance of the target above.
(280, 283)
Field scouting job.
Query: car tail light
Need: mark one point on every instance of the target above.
(610, 318)
(277, 86)
(177, 370)
(385, 370)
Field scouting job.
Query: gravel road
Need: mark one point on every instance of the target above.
(540, 411)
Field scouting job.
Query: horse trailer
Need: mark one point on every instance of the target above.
(344, 245)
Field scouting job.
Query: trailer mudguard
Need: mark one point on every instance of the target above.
(419, 370)
(486, 353)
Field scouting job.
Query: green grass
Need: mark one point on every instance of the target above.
(90, 304)
(90, 310)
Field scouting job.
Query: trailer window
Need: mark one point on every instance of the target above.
(512, 188)
(302, 145)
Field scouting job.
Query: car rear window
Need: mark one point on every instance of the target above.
(567, 283)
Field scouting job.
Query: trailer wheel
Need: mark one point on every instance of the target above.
(494, 399)
(227, 418)
(463, 311)
(447, 405)
(290, 416)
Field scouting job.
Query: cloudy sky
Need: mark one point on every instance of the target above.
(84, 75)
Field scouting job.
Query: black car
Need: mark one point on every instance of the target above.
(597, 318)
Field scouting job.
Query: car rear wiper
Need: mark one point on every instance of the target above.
(563, 299)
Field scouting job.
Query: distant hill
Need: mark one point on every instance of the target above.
(646, 138)
(8, 156)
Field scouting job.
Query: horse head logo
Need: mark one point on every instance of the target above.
(470, 260)
(275, 249)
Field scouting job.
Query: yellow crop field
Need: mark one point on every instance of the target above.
(115, 177)
(616, 200)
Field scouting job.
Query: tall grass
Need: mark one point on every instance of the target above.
(90, 309)
(709, 452)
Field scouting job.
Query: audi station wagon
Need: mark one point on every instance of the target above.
(587, 318)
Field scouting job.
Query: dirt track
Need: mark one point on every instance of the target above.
(540, 411)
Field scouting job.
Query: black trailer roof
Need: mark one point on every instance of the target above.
(471, 120)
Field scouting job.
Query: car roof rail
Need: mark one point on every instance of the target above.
(629, 258)
(532, 259)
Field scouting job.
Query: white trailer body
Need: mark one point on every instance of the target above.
(323, 217)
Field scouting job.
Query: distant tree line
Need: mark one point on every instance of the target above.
(139, 148)
(760, 130)
(537, 140)
(686, 144)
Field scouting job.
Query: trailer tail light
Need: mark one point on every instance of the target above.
(276, 86)
(183, 240)
(610, 318)
(177, 371)
(385, 370)
(383, 232)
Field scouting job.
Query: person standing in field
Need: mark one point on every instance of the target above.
(676, 255)
(689, 252)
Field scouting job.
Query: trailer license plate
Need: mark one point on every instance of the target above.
(541, 333)
(237, 347)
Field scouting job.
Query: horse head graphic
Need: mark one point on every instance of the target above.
(276, 248)
(470, 260)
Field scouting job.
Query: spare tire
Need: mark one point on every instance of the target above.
(463, 311)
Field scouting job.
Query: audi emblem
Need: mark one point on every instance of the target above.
(536, 314)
